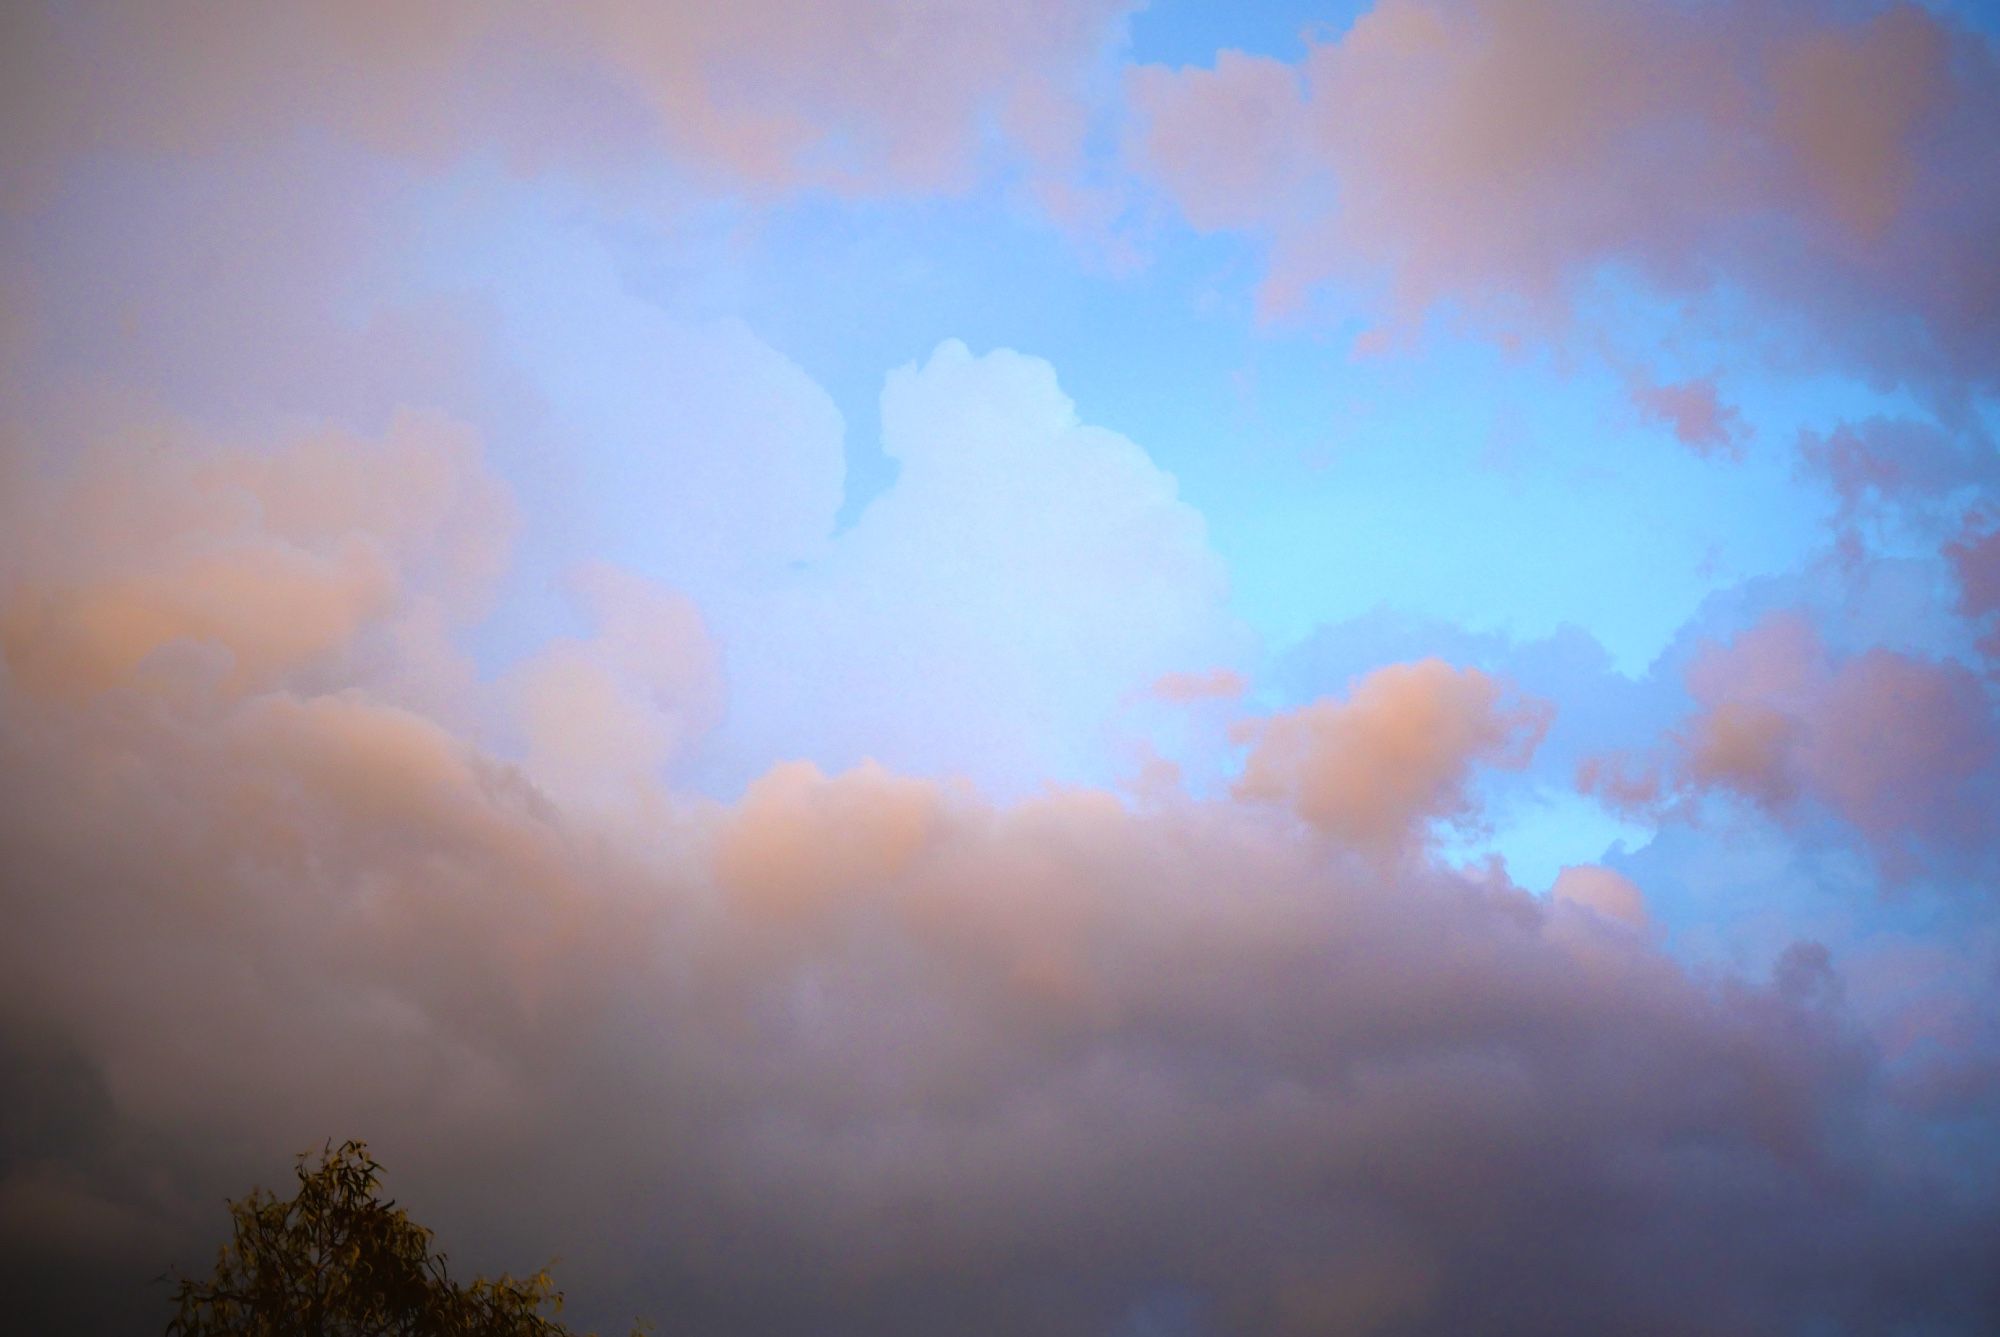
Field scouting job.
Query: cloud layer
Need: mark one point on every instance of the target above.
(867, 1051)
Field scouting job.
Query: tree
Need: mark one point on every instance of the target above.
(337, 1261)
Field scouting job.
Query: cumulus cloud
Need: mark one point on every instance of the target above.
(1376, 769)
(987, 612)
(615, 708)
(1037, 567)
(1602, 891)
(984, 613)
(1499, 157)
(689, 450)
(1900, 748)
(161, 551)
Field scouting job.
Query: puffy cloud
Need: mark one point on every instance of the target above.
(864, 1030)
(984, 613)
(616, 707)
(1901, 749)
(1602, 891)
(988, 611)
(1699, 419)
(1037, 567)
(1376, 769)
(859, 1050)
(1226, 141)
(1498, 157)
(1745, 746)
(799, 839)
(263, 565)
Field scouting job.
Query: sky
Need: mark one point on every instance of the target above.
(1072, 667)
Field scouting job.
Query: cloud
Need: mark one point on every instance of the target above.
(646, 926)
(256, 566)
(987, 612)
(1499, 158)
(860, 97)
(1699, 419)
(1901, 749)
(1975, 562)
(859, 1033)
(1374, 770)
(1916, 472)
(1037, 567)
(616, 708)
(1226, 141)
(983, 614)
(1602, 891)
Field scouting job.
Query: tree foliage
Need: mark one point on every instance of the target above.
(335, 1260)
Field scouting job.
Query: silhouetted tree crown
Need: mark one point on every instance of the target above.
(337, 1261)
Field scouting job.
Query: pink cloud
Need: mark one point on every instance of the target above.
(1602, 891)
(1918, 471)
(275, 562)
(1747, 747)
(1897, 746)
(1902, 750)
(1698, 417)
(1975, 561)
(798, 840)
(1226, 141)
(1497, 156)
(613, 709)
(1374, 770)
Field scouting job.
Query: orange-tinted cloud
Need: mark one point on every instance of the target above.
(1901, 749)
(1497, 157)
(1602, 891)
(1376, 769)
(262, 564)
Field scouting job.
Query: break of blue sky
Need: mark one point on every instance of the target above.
(1455, 481)
(1451, 480)
(1184, 32)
